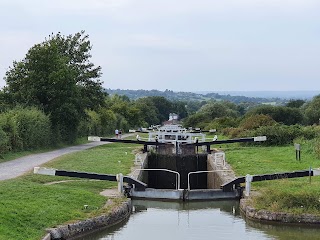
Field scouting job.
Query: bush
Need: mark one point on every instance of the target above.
(9, 125)
(25, 128)
(33, 128)
(93, 123)
(233, 132)
(284, 115)
(256, 121)
(99, 123)
(221, 123)
(4, 141)
(283, 134)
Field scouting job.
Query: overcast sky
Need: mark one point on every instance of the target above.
(181, 45)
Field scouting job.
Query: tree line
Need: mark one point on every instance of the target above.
(54, 95)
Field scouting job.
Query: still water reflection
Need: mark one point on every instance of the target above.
(196, 220)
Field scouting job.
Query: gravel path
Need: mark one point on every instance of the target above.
(20, 166)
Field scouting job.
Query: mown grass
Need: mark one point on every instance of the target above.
(289, 195)
(29, 205)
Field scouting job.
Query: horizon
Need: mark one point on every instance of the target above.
(256, 94)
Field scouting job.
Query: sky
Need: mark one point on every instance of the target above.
(180, 45)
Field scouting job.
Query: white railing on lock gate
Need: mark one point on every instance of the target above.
(165, 170)
(198, 172)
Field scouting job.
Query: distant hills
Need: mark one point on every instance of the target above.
(258, 97)
(305, 95)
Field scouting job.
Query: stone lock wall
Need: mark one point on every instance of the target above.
(215, 180)
(77, 229)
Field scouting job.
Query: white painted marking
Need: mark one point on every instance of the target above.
(316, 172)
(94, 139)
(260, 138)
(44, 171)
(297, 146)
(248, 184)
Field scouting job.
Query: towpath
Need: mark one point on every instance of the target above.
(20, 166)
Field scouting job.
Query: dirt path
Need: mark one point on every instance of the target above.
(20, 166)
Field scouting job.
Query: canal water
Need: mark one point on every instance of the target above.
(197, 220)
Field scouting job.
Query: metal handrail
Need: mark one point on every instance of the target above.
(165, 170)
(204, 172)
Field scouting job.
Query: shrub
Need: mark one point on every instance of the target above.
(4, 140)
(233, 132)
(33, 128)
(284, 115)
(25, 128)
(283, 134)
(9, 125)
(223, 122)
(256, 121)
(98, 123)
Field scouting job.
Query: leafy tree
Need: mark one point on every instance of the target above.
(285, 115)
(295, 103)
(219, 109)
(164, 107)
(194, 106)
(127, 109)
(149, 112)
(179, 108)
(4, 101)
(223, 122)
(199, 119)
(209, 112)
(57, 76)
(312, 111)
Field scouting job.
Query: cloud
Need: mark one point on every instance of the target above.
(139, 42)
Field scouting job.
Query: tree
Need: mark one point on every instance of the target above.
(164, 107)
(295, 103)
(285, 115)
(149, 113)
(179, 108)
(219, 109)
(57, 76)
(127, 109)
(312, 111)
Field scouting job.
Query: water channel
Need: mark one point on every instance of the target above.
(197, 220)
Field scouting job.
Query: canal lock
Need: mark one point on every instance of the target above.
(200, 177)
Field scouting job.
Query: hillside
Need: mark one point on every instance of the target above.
(191, 96)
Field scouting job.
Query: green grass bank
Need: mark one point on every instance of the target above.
(295, 196)
(32, 203)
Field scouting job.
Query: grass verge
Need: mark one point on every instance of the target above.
(29, 205)
(295, 196)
